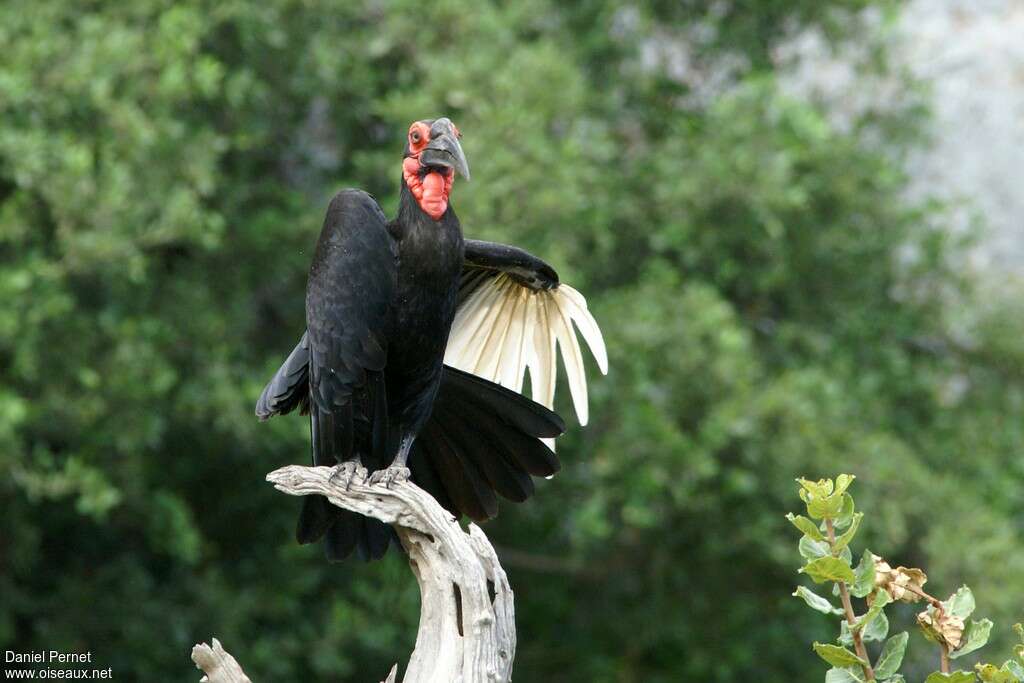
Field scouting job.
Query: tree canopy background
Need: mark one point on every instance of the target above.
(774, 306)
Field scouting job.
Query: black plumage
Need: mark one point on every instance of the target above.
(369, 370)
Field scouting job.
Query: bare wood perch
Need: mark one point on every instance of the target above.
(218, 665)
(467, 619)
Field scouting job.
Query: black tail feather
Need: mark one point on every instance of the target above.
(375, 537)
(315, 518)
(343, 531)
(343, 537)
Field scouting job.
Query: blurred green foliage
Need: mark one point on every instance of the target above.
(772, 302)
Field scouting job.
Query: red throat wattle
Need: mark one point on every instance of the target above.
(431, 190)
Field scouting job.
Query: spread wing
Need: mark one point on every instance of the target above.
(514, 316)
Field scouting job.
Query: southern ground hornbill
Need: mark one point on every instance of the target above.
(416, 347)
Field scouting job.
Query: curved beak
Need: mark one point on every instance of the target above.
(444, 149)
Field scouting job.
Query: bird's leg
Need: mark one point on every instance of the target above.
(347, 472)
(396, 471)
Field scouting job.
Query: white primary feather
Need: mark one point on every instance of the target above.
(587, 326)
(467, 316)
(561, 324)
(504, 329)
(462, 349)
(544, 369)
(494, 335)
(513, 353)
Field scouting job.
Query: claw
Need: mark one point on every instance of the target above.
(345, 473)
(390, 475)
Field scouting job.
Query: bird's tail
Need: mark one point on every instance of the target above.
(342, 531)
(333, 441)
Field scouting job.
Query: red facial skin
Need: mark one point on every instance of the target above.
(432, 190)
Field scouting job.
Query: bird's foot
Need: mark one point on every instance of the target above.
(347, 472)
(390, 475)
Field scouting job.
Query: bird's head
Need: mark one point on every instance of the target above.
(432, 157)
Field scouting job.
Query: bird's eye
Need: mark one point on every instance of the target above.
(414, 136)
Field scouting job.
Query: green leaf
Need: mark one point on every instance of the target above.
(892, 656)
(1015, 668)
(838, 656)
(845, 675)
(818, 508)
(897, 678)
(955, 677)
(960, 604)
(845, 539)
(828, 569)
(988, 673)
(821, 498)
(882, 598)
(834, 506)
(811, 549)
(874, 632)
(805, 525)
(815, 601)
(845, 635)
(843, 482)
(845, 515)
(877, 629)
(975, 636)
(818, 489)
(864, 576)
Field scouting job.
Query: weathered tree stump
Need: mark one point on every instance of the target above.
(467, 619)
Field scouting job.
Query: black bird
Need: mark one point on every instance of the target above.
(370, 370)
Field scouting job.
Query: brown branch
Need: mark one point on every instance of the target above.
(851, 617)
(935, 602)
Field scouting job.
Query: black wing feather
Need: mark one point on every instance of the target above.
(481, 257)
(530, 417)
(463, 481)
(348, 299)
(349, 296)
(289, 387)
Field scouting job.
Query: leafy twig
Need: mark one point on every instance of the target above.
(851, 617)
(828, 529)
